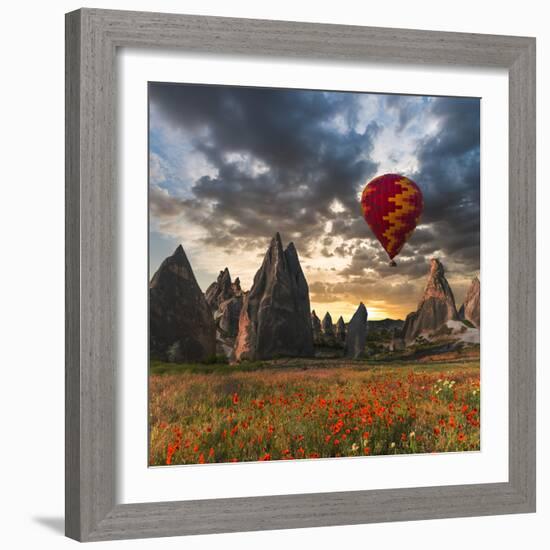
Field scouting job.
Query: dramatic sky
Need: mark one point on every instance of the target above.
(230, 166)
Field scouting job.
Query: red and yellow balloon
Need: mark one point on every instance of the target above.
(392, 205)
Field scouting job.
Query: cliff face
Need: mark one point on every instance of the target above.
(181, 326)
(470, 309)
(225, 299)
(220, 290)
(436, 307)
(275, 318)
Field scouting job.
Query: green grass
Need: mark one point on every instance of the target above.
(307, 408)
(160, 367)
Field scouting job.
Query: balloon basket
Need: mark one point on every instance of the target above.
(392, 264)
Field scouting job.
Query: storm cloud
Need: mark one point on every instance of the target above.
(230, 166)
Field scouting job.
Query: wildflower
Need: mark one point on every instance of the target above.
(169, 453)
(392, 444)
(267, 456)
(437, 431)
(354, 447)
(201, 458)
(461, 436)
(411, 435)
(235, 398)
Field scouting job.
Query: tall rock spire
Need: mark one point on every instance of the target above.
(327, 326)
(275, 317)
(181, 327)
(436, 307)
(340, 329)
(357, 333)
(220, 290)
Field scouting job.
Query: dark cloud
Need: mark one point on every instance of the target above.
(450, 177)
(283, 157)
(306, 163)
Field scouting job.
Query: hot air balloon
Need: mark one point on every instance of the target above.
(392, 205)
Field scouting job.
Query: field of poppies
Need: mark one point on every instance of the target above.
(297, 410)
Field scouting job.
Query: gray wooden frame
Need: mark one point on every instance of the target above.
(92, 38)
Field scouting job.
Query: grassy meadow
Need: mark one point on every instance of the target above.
(295, 408)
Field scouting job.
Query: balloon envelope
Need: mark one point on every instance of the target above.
(392, 205)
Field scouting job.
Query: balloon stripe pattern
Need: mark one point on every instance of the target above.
(392, 205)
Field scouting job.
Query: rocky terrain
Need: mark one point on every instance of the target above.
(181, 325)
(470, 309)
(225, 299)
(436, 307)
(356, 333)
(316, 328)
(340, 331)
(273, 320)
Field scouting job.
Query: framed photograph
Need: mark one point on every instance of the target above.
(300, 275)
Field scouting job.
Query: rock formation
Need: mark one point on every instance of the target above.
(357, 333)
(181, 327)
(316, 328)
(340, 330)
(225, 299)
(275, 317)
(227, 317)
(470, 309)
(327, 326)
(220, 290)
(436, 307)
(236, 286)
